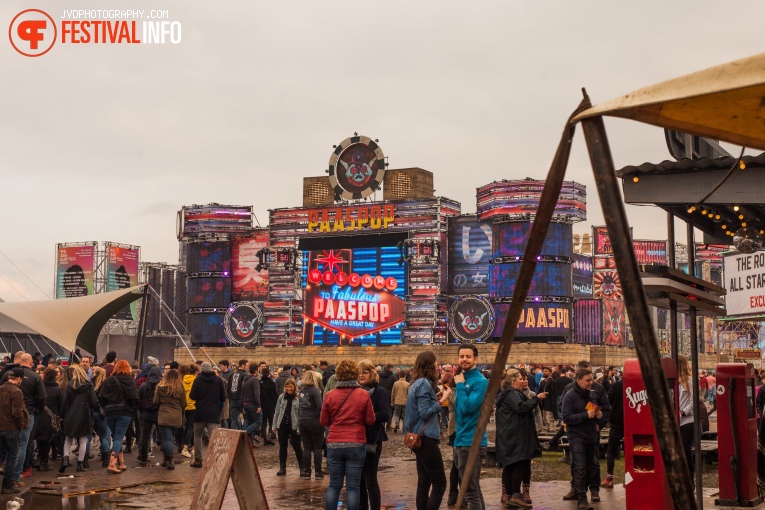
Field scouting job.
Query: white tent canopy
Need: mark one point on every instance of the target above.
(73, 321)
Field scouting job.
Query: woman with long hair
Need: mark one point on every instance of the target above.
(77, 408)
(685, 401)
(286, 421)
(170, 395)
(422, 417)
(47, 424)
(517, 441)
(370, 488)
(118, 398)
(310, 429)
(347, 411)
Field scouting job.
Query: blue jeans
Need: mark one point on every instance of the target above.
(103, 433)
(235, 409)
(348, 463)
(22, 453)
(252, 419)
(118, 426)
(9, 448)
(167, 435)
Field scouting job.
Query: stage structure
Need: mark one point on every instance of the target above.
(347, 269)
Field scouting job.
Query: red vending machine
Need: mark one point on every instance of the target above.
(644, 481)
(736, 435)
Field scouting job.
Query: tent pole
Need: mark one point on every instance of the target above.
(140, 337)
(5, 346)
(34, 343)
(662, 410)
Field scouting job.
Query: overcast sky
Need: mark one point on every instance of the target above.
(107, 142)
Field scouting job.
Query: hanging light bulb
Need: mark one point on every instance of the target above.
(736, 208)
(724, 227)
(743, 223)
(635, 179)
(711, 215)
(704, 211)
(742, 165)
(717, 216)
(741, 216)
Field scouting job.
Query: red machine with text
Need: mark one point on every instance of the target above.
(737, 435)
(645, 484)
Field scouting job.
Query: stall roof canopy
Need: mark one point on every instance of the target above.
(69, 322)
(726, 102)
(676, 186)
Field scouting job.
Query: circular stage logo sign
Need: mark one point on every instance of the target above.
(471, 319)
(356, 168)
(242, 323)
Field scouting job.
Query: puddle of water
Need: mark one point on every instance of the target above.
(89, 502)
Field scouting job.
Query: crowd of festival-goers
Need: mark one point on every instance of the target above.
(51, 410)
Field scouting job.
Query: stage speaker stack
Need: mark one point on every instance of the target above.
(208, 266)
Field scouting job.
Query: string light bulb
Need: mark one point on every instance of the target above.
(704, 211)
(717, 216)
(742, 165)
(711, 215)
(735, 208)
(635, 179)
(741, 216)
(724, 227)
(743, 223)
(691, 209)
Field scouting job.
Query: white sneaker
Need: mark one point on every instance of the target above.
(186, 453)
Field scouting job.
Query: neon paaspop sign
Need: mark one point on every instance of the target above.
(352, 304)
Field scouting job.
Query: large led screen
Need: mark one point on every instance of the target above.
(582, 273)
(207, 328)
(208, 257)
(469, 255)
(550, 279)
(510, 239)
(74, 270)
(121, 273)
(209, 292)
(247, 283)
(551, 321)
(353, 295)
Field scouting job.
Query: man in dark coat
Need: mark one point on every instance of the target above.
(282, 378)
(583, 419)
(13, 419)
(149, 412)
(34, 400)
(387, 379)
(209, 392)
(616, 432)
(268, 398)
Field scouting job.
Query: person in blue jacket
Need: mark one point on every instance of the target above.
(470, 392)
(422, 412)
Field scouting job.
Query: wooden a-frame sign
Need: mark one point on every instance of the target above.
(229, 455)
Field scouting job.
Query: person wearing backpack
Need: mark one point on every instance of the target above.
(149, 412)
(234, 394)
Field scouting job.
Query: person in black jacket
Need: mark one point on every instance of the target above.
(119, 399)
(149, 412)
(235, 394)
(309, 427)
(76, 410)
(517, 441)
(268, 398)
(388, 379)
(584, 419)
(48, 426)
(253, 410)
(616, 432)
(34, 400)
(370, 488)
(209, 392)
